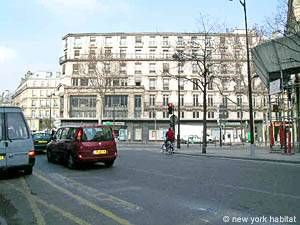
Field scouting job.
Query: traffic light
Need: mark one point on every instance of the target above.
(170, 108)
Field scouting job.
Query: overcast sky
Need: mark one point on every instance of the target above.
(31, 30)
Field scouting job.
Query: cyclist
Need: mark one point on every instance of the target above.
(170, 136)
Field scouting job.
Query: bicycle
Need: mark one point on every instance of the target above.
(167, 147)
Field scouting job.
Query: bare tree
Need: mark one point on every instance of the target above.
(101, 72)
(200, 53)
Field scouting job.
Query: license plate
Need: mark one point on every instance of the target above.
(42, 142)
(99, 152)
(2, 157)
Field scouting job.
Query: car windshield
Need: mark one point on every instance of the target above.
(97, 134)
(41, 136)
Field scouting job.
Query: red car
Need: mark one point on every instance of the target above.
(83, 144)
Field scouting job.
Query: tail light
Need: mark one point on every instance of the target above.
(31, 154)
(79, 135)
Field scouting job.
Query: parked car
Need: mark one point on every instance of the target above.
(40, 141)
(195, 139)
(16, 145)
(75, 145)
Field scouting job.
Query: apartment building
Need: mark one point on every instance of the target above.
(141, 78)
(38, 97)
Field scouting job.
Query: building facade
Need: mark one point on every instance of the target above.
(127, 80)
(38, 97)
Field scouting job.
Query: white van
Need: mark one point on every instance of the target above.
(16, 145)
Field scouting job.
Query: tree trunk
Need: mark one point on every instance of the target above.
(298, 110)
(204, 142)
(100, 110)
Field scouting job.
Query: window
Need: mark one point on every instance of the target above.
(165, 53)
(182, 114)
(33, 103)
(75, 68)
(16, 126)
(165, 114)
(108, 41)
(182, 100)
(195, 115)
(165, 84)
(152, 41)
(165, 41)
(223, 69)
(76, 54)
(195, 84)
(137, 101)
(122, 53)
(210, 100)
(107, 68)
(83, 106)
(138, 53)
(152, 83)
(166, 67)
(123, 40)
(64, 69)
(195, 100)
(152, 100)
(240, 114)
(64, 134)
(179, 40)
(84, 82)
(92, 40)
(152, 54)
(165, 100)
(210, 115)
(222, 41)
(238, 68)
(92, 68)
(224, 101)
(77, 41)
(138, 39)
(75, 81)
(239, 100)
(152, 68)
(152, 114)
(181, 84)
(123, 68)
(210, 86)
(138, 68)
(107, 53)
(237, 54)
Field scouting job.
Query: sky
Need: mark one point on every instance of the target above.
(31, 31)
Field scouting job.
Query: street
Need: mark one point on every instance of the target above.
(145, 187)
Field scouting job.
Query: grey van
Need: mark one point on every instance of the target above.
(16, 145)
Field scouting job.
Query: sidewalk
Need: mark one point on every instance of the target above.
(236, 151)
(239, 152)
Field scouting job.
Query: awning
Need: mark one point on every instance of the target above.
(276, 56)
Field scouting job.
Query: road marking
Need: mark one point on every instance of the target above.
(83, 201)
(54, 208)
(94, 192)
(159, 174)
(260, 191)
(36, 211)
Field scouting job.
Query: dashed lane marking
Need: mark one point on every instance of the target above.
(36, 211)
(83, 201)
(61, 211)
(95, 193)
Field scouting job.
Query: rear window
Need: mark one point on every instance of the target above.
(41, 136)
(97, 134)
(16, 126)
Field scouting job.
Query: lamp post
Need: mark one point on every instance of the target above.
(252, 146)
(50, 96)
(177, 56)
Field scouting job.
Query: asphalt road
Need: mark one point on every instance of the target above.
(146, 187)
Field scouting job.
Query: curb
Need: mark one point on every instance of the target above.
(237, 157)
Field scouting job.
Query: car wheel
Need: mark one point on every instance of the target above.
(71, 162)
(49, 156)
(28, 170)
(109, 163)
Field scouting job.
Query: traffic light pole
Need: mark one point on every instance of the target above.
(178, 121)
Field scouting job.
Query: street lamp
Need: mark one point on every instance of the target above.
(178, 56)
(50, 96)
(252, 146)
